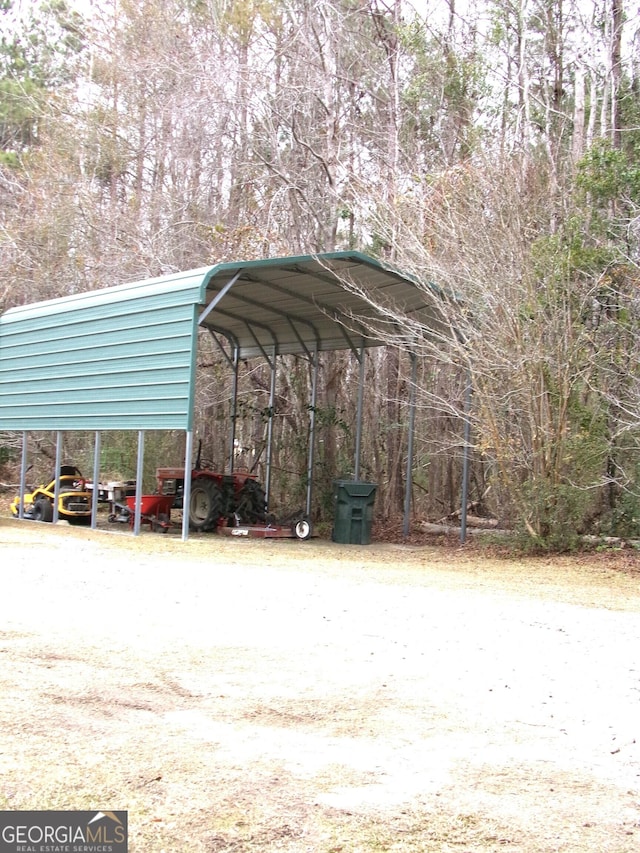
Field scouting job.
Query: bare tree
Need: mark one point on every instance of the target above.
(516, 320)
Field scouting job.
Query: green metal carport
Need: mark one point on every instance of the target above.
(124, 357)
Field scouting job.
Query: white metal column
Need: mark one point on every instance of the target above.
(139, 475)
(97, 443)
(410, 440)
(312, 428)
(272, 403)
(56, 474)
(23, 475)
(186, 495)
(358, 450)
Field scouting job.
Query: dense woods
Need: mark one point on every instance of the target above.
(490, 148)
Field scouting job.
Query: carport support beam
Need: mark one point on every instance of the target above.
(272, 403)
(234, 409)
(356, 472)
(186, 496)
(23, 475)
(139, 474)
(412, 427)
(312, 428)
(465, 461)
(96, 480)
(218, 297)
(56, 474)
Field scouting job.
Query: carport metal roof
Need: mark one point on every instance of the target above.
(124, 357)
(297, 303)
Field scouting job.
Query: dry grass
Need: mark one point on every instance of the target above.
(283, 696)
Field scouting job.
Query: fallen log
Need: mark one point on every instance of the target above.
(450, 529)
(477, 521)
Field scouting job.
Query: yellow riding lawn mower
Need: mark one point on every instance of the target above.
(74, 500)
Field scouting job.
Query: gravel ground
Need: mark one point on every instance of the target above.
(250, 695)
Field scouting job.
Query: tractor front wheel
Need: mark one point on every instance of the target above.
(43, 510)
(205, 505)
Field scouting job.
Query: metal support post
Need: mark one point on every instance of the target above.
(272, 402)
(139, 475)
(356, 470)
(465, 460)
(186, 497)
(234, 409)
(23, 475)
(56, 487)
(96, 480)
(312, 428)
(410, 441)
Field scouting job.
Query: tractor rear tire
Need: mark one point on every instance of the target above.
(43, 510)
(205, 505)
(252, 503)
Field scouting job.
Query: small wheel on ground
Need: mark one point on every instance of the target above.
(43, 510)
(302, 529)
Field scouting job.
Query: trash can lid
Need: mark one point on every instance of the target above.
(356, 488)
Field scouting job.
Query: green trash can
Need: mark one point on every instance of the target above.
(353, 517)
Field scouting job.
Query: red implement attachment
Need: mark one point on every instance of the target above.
(155, 510)
(300, 529)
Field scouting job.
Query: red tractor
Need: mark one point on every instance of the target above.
(216, 499)
(231, 503)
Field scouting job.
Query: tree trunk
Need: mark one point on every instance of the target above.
(617, 20)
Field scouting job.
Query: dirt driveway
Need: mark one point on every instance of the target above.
(261, 696)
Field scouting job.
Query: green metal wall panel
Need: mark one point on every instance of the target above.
(119, 358)
(124, 357)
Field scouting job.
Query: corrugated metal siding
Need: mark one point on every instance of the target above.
(124, 357)
(119, 358)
